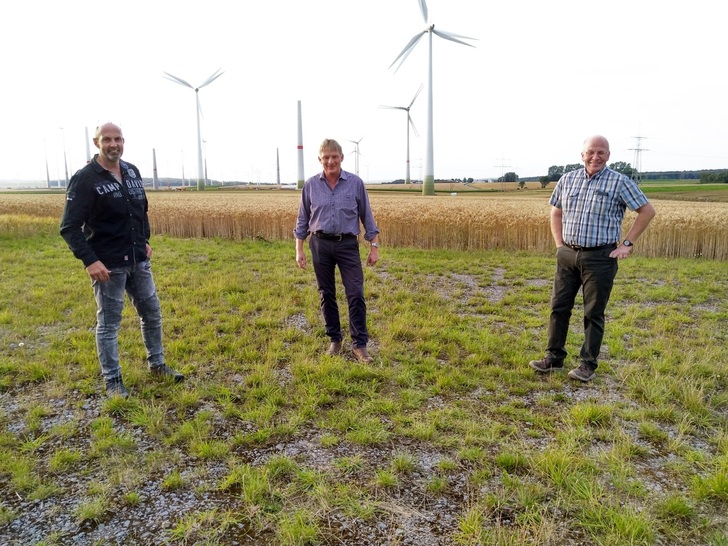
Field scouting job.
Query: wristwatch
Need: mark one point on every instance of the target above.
(375, 245)
(627, 242)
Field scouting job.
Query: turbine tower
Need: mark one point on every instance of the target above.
(208, 81)
(409, 122)
(65, 160)
(356, 154)
(299, 151)
(428, 184)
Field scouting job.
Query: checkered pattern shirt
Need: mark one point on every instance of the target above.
(593, 208)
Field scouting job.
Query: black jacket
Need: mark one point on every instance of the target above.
(104, 219)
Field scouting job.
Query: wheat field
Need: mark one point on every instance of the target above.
(462, 221)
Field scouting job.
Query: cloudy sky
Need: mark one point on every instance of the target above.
(542, 77)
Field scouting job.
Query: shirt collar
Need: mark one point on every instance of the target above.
(343, 175)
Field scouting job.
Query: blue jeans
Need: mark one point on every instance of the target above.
(594, 272)
(135, 280)
(326, 256)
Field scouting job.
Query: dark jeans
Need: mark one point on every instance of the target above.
(593, 271)
(326, 256)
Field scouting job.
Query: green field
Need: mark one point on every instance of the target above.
(448, 438)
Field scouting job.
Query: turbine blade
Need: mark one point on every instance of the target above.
(395, 107)
(212, 78)
(412, 123)
(407, 49)
(415, 97)
(423, 9)
(177, 80)
(453, 37)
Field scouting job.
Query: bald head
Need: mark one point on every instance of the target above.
(108, 126)
(595, 154)
(597, 140)
(110, 142)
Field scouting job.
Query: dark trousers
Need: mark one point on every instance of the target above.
(326, 256)
(593, 271)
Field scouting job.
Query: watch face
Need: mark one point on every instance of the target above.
(627, 242)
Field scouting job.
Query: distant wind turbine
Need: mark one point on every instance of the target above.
(428, 185)
(356, 154)
(299, 151)
(409, 122)
(208, 81)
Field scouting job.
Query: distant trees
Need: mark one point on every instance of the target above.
(544, 181)
(719, 177)
(622, 167)
(509, 177)
(557, 171)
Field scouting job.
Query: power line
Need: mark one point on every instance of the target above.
(502, 167)
(637, 167)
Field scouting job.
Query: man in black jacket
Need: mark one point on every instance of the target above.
(105, 224)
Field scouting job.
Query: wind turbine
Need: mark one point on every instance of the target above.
(356, 154)
(208, 81)
(409, 122)
(428, 184)
(65, 161)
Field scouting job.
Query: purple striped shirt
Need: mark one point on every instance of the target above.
(337, 211)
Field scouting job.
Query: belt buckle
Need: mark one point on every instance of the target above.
(338, 237)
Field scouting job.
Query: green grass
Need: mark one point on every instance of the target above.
(289, 446)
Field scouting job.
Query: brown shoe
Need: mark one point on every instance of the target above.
(361, 354)
(583, 373)
(546, 365)
(334, 348)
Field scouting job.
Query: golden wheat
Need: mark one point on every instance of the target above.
(463, 221)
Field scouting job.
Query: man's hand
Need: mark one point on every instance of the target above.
(301, 259)
(621, 252)
(373, 256)
(98, 272)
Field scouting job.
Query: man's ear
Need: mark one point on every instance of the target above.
(96, 142)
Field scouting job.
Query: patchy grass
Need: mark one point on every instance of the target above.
(446, 438)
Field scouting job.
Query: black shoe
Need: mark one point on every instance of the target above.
(546, 365)
(582, 373)
(115, 387)
(164, 371)
(334, 349)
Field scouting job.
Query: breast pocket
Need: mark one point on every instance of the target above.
(349, 208)
(601, 202)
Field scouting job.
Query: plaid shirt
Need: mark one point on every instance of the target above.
(593, 208)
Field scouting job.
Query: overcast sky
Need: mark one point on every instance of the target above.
(542, 77)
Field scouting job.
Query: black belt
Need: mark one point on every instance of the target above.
(334, 236)
(589, 248)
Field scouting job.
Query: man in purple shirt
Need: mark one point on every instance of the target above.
(333, 203)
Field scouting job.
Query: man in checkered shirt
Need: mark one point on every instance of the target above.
(587, 210)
